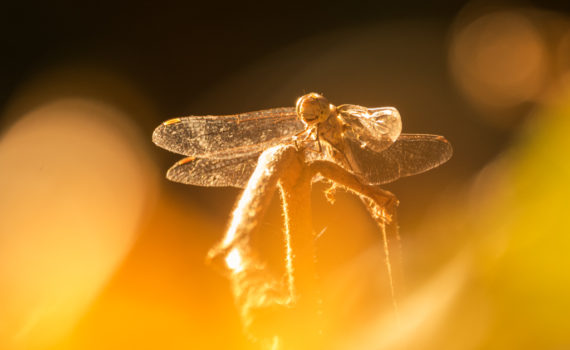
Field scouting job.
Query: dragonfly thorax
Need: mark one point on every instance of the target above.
(313, 108)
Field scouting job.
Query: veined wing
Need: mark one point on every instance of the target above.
(375, 128)
(229, 135)
(220, 172)
(410, 154)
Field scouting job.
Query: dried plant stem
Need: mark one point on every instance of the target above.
(381, 205)
(269, 311)
(256, 197)
(288, 314)
(301, 273)
(259, 295)
(393, 265)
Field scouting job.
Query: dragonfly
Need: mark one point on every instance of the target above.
(223, 150)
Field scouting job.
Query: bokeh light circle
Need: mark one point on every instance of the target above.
(74, 189)
(499, 59)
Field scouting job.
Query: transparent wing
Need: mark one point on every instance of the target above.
(410, 154)
(375, 128)
(230, 135)
(220, 172)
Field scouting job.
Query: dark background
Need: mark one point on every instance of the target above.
(174, 50)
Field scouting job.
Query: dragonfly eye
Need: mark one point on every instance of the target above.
(313, 108)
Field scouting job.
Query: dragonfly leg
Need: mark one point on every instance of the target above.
(318, 139)
(384, 199)
(306, 133)
(381, 204)
(298, 136)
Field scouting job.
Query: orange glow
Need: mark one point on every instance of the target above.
(420, 313)
(172, 121)
(74, 188)
(99, 251)
(234, 261)
(499, 59)
(185, 160)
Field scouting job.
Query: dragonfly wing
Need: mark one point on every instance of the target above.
(227, 136)
(410, 154)
(370, 125)
(224, 172)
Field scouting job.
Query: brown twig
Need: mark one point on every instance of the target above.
(381, 205)
(270, 309)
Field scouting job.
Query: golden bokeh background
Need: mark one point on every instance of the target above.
(99, 250)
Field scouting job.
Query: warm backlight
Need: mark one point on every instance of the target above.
(73, 187)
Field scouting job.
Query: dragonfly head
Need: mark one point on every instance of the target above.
(314, 108)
